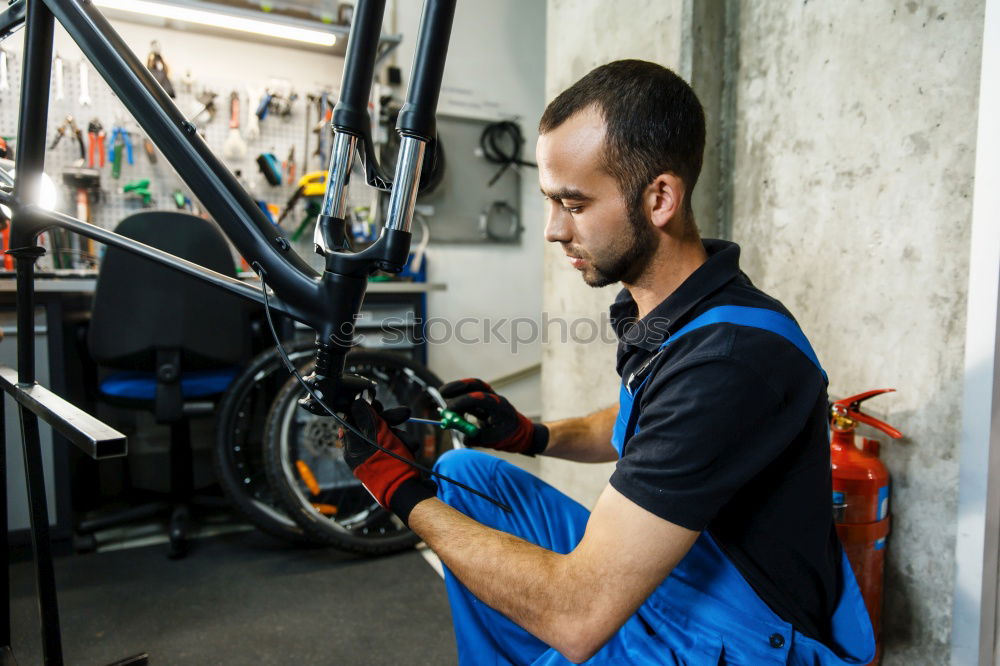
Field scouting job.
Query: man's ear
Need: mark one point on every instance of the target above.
(665, 199)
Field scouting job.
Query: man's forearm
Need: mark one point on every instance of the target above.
(583, 439)
(534, 587)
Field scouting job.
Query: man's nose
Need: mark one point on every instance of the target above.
(557, 226)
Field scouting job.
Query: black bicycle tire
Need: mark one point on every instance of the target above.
(230, 453)
(314, 524)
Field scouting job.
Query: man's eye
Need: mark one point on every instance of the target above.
(572, 210)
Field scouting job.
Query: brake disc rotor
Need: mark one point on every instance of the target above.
(320, 437)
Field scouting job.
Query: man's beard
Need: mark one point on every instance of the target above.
(627, 258)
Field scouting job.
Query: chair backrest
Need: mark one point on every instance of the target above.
(141, 306)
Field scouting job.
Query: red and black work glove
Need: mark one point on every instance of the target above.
(501, 427)
(394, 484)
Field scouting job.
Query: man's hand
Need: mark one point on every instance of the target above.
(501, 426)
(395, 484)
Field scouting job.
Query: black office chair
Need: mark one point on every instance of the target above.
(175, 341)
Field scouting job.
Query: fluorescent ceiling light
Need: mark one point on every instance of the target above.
(221, 20)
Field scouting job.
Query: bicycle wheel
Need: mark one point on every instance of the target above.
(306, 468)
(238, 455)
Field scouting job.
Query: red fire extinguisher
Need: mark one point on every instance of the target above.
(861, 499)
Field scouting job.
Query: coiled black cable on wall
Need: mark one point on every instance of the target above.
(501, 143)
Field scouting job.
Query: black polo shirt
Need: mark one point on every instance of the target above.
(732, 439)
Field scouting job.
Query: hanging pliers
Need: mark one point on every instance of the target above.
(95, 134)
(69, 127)
(120, 143)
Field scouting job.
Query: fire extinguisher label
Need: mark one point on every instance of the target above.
(880, 544)
(883, 502)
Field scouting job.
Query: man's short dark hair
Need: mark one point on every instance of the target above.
(655, 123)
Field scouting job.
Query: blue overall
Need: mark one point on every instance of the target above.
(703, 613)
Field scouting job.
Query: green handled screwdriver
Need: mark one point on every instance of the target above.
(450, 419)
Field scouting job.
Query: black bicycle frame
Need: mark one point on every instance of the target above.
(329, 301)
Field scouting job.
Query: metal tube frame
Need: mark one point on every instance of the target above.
(31, 158)
(317, 300)
(48, 606)
(5, 543)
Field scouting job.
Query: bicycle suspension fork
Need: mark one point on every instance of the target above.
(346, 274)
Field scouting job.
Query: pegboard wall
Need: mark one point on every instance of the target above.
(277, 134)
(454, 213)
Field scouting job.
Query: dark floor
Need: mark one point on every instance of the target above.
(241, 598)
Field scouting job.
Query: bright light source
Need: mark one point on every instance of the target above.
(220, 20)
(47, 194)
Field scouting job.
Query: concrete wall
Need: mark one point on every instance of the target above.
(846, 136)
(854, 157)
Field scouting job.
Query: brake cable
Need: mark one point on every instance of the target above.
(342, 422)
(374, 175)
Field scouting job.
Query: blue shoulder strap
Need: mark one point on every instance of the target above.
(768, 320)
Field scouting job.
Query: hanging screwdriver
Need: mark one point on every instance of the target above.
(450, 420)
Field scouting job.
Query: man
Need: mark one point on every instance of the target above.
(713, 541)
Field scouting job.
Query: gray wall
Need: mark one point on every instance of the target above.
(844, 140)
(853, 171)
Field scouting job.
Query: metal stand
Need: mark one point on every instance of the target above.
(6, 656)
(34, 401)
(89, 434)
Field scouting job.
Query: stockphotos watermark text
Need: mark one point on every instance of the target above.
(515, 332)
